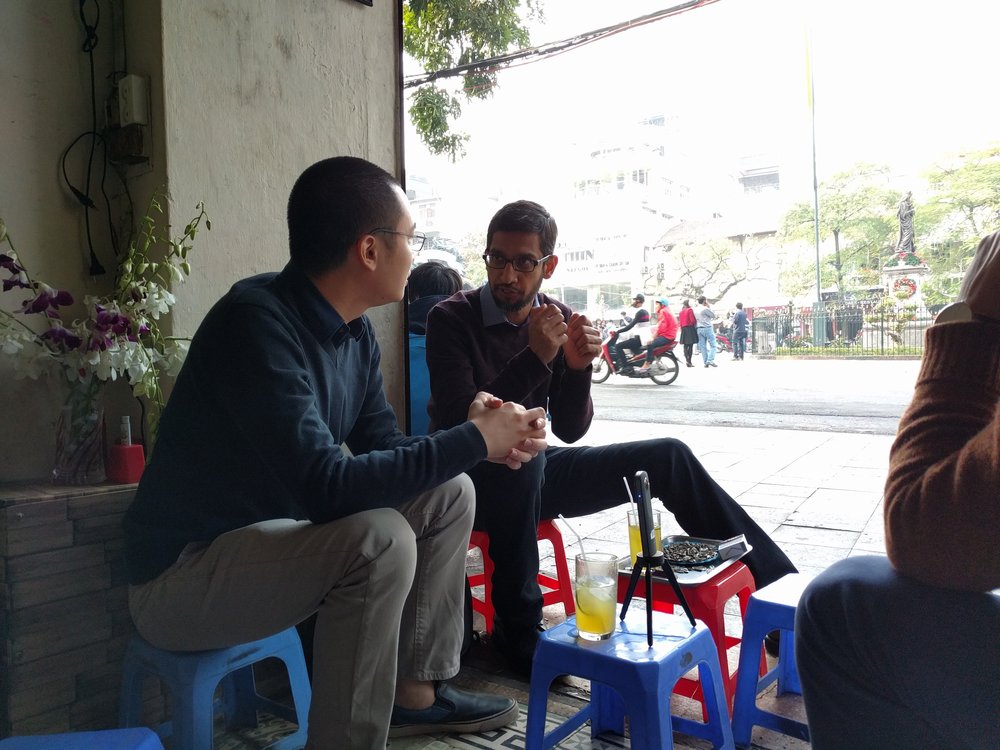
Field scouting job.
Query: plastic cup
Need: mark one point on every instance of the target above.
(596, 594)
(635, 539)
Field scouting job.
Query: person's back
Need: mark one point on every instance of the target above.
(430, 282)
(902, 652)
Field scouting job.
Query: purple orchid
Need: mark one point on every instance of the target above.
(18, 278)
(47, 299)
(62, 338)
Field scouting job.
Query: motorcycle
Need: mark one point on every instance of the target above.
(663, 371)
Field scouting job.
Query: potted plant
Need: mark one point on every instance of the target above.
(118, 336)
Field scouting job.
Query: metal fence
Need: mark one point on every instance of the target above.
(855, 331)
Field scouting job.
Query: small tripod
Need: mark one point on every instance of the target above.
(644, 564)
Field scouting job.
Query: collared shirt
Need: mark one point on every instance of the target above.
(274, 383)
(472, 347)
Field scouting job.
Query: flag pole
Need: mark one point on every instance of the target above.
(812, 121)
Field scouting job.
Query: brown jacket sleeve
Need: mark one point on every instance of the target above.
(942, 495)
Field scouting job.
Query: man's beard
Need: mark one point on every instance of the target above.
(517, 304)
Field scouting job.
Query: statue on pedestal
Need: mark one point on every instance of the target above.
(905, 213)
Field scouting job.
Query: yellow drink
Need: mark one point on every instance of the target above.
(634, 538)
(596, 598)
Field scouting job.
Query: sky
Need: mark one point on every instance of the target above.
(895, 82)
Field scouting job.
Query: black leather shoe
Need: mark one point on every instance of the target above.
(771, 643)
(517, 646)
(456, 711)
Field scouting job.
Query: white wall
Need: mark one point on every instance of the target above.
(245, 95)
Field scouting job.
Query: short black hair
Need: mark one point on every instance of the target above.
(702, 300)
(739, 305)
(433, 278)
(334, 202)
(525, 216)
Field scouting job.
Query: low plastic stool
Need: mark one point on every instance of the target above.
(771, 608)
(708, 604)
(192, 677)
(137, 738)
(629, 677)
(560, 588)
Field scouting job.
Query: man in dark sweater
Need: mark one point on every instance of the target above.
(250, 517)
(526, 347)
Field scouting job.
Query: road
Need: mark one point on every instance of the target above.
(859, 396)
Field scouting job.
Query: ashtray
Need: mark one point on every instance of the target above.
(690, 553)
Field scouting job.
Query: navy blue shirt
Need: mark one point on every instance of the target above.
(275, 381)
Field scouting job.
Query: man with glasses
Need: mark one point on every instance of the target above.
(509, 339)
(250, 517)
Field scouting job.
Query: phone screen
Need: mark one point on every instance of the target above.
(647, 530)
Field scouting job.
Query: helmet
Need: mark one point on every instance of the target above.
(663, 301)
(639, 298)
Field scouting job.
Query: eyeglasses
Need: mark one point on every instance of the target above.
(521, 264)
(415, 240)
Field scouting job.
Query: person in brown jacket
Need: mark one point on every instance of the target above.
(904, 652)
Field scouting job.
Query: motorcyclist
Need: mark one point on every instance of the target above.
(633, 343)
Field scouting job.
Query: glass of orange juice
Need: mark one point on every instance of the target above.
(635, 540)
(596, 594)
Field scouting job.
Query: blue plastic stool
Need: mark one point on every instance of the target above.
(139, 738)
(192, 677)
(625, 671)
(770, 608)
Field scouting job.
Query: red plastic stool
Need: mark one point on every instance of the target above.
(708, 603)
(559, 589)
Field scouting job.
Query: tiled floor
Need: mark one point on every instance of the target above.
(818, 494)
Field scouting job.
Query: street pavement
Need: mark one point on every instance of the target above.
(841, 395)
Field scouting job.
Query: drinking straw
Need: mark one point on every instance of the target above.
(630, 498)
(578, 538)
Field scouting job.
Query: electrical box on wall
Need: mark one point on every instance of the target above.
(133, 101)
(127, 135)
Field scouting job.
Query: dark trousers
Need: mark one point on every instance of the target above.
(887, 662)
(618, 353)
(578, 481)
(688, 352)
(739, 344)
(658, 341)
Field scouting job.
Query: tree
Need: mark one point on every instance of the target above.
(963, 206)
(713, 267)
(857, 211)
(445, 34)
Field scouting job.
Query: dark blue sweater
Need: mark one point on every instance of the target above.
(275, 381)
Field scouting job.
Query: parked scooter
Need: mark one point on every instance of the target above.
(663, 371)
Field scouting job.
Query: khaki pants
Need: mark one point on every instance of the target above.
(388, 587)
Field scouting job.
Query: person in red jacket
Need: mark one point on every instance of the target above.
(689, 331)
(666, 331)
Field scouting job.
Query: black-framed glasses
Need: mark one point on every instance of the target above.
(521, 264)
(415, 240)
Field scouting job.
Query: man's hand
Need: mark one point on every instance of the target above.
(583, 343)
(546, 332)
(982, 280)
(514, 435)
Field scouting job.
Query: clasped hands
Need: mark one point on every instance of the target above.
(514, 435)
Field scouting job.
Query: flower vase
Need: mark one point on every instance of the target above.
(80, 436)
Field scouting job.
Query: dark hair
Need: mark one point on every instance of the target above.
(433, 278)
(525, 216)
(702, 300)
(686, 303)
(739, 305)
(333, 203)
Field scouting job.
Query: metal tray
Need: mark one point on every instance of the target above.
(692, 575)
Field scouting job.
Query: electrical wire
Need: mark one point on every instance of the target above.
(535, 54)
